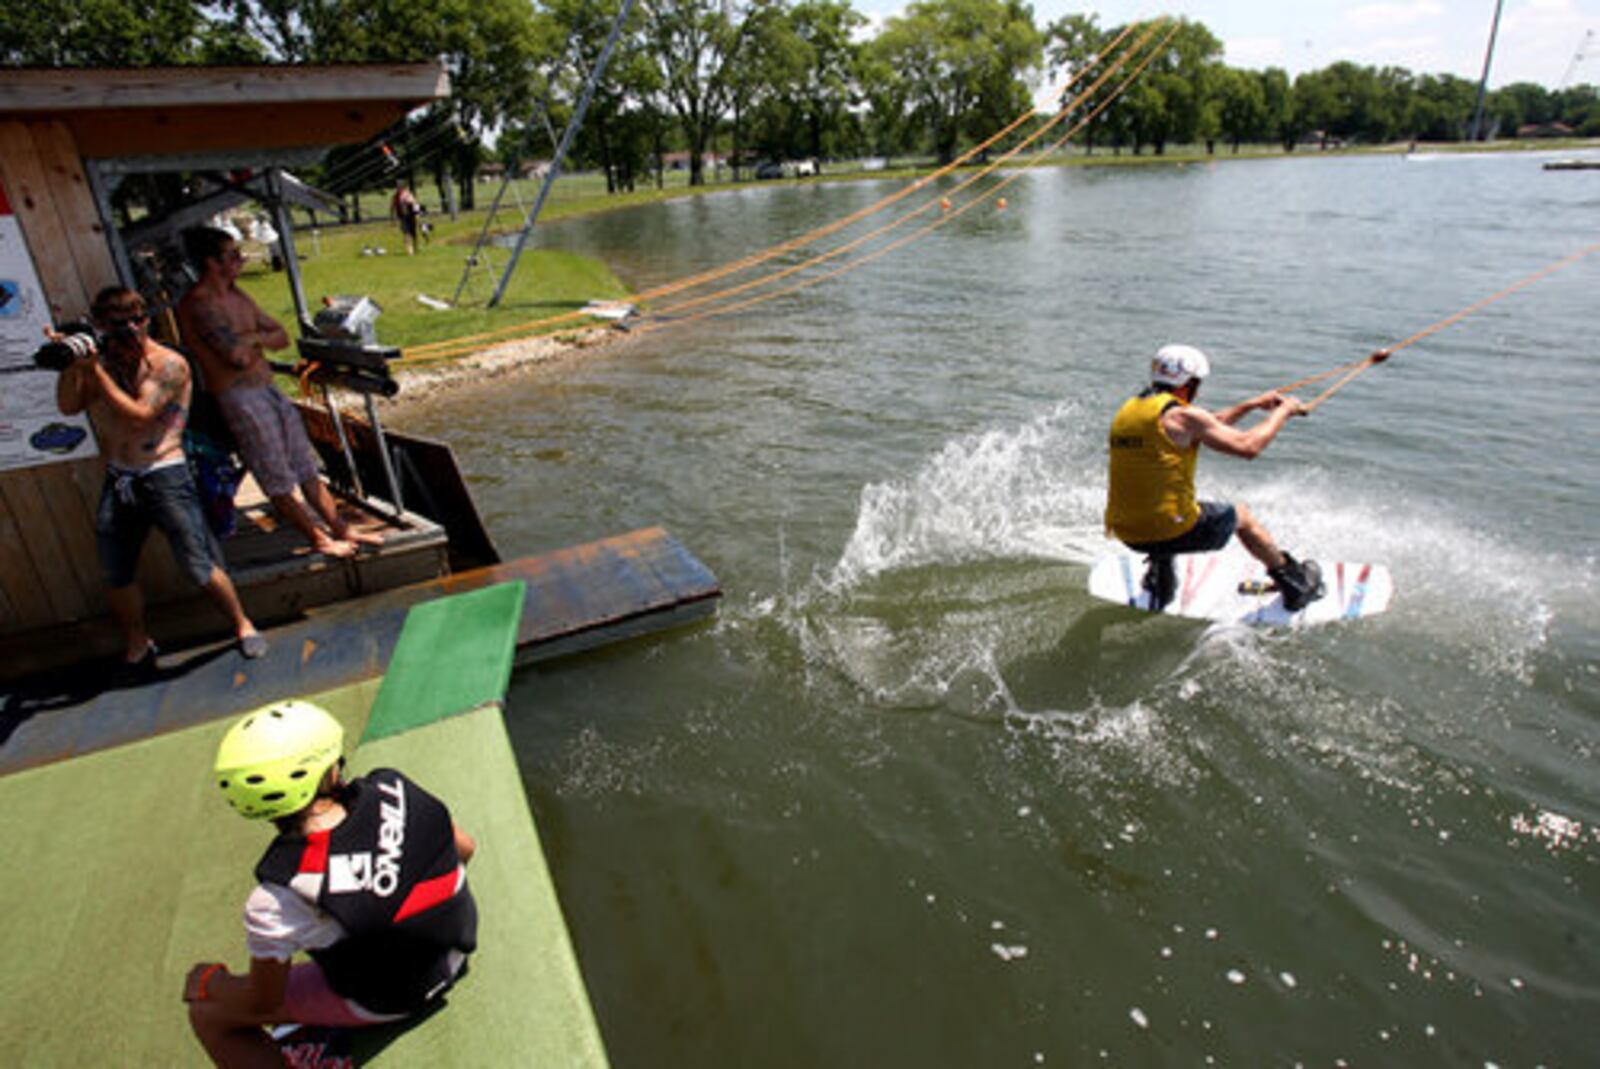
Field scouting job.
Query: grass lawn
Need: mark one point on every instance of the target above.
(546, 283)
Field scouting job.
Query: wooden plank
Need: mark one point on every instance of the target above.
(155, 87)
(181, 131)
(28, 189)
(69, 521)
(75, 205)
(27, 501)
(23, 585)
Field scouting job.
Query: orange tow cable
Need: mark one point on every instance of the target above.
(456, 346)
(1356, 367)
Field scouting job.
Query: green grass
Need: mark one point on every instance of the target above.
(546, 283)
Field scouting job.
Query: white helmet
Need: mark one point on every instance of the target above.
(1176, 365)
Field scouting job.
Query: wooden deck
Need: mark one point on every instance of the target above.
(575, 598)
(278, 576)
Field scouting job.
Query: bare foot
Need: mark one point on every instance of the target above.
(337, 548)
(363, 538)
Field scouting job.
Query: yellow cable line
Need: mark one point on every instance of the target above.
(455, 345)
(909, 216)
(1356, 367)
(949, 217)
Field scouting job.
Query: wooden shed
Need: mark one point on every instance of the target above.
(62, 132)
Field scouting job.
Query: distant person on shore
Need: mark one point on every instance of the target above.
(406, 210)
(230, 335)
(367, 876)
(137, 393)
(1150, 503)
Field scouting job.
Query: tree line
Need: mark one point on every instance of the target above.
(748, 80)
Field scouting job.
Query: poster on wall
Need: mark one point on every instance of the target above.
(32, 430)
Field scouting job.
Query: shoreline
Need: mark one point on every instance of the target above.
(419, 385)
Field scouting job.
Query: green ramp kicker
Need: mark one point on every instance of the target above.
(438, 718)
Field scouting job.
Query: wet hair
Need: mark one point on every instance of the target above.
(204, 243)
(117, 301)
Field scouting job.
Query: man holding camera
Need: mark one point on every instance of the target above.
(137, 395)
(230, 335)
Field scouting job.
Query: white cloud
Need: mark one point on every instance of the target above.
(1253, 53)
(1389, 16)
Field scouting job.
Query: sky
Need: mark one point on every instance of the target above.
(1537, 42)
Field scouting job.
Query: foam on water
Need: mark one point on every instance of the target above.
(1036, 492)
(960, 590)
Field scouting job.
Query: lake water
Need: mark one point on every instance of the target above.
(913, 799)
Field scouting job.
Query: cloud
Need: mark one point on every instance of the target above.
(1253, 53)
(1391, 16)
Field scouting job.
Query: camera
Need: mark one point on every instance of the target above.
(77, 342)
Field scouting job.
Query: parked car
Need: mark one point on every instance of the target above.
(769, 169)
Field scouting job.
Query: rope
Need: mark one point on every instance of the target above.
(452, 346)
(948, 217)
(914, 213)
(1355, 368)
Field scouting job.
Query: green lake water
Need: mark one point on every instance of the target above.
(913, 799)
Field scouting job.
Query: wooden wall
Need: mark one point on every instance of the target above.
(49, 573)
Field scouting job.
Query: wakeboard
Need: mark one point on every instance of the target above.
(1231, 586)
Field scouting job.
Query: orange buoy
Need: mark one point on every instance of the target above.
(944, 204)
(1001, 204)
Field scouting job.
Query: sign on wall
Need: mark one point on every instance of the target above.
(32, 430)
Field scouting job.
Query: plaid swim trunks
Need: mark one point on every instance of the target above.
(272, 437)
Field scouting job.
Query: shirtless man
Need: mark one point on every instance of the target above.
(137, 394)
(230, 335)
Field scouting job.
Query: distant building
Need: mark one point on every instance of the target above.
(1544, 129)
(679, 161)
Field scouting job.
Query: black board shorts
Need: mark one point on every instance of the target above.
(1216, 525)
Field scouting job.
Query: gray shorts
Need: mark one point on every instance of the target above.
(1211, 531)
(133, 502)
(272, 437)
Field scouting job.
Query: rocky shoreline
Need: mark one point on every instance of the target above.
(421, 384)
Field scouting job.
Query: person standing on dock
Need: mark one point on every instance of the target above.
(230, 336)
(1150, 502)
(367, 876)
(137, 393)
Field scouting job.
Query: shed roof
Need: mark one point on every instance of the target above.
(176, 111)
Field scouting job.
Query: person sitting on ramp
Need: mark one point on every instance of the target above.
(1150, 503)
(367, 876)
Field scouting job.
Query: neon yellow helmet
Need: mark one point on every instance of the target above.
(271, 762)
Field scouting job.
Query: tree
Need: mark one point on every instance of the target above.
(962, 63)
(830, 81)
(1281, 120)
(1241, 107)
(112, 33)
(696, 45)
(1440, 107)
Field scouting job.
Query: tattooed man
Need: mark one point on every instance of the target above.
(137, 395)
(230, 335)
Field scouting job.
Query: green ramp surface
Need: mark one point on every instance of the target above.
(523, 1001)
(130, 868)
(454, 654)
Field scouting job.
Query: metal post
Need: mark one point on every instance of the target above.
(1483, 82)
(291, 262)
(344, 441)
(383, 453)
(561, 150)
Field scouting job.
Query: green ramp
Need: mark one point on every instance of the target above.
(129, 869)
(454, 654)
(438, 719)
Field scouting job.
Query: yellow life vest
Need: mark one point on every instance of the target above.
(1151, 493)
